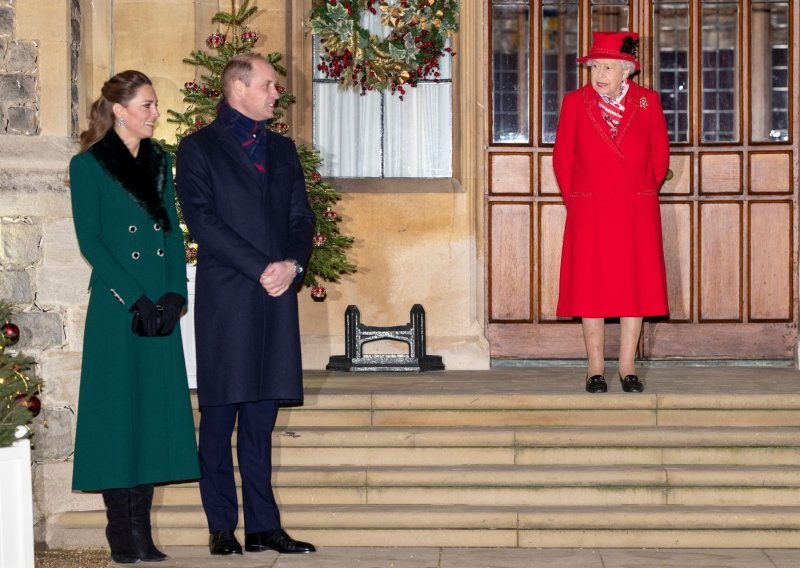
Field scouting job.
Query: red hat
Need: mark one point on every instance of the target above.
(613, 45)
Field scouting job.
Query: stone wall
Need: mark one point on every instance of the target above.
(19, 102)
(41, 271)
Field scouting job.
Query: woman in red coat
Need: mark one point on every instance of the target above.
(611, 155)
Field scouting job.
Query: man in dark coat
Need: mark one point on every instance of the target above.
(243, 196)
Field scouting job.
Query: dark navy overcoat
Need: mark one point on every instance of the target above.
(248, 343)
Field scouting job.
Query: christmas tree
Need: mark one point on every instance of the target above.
(19, 402)
(328, 259)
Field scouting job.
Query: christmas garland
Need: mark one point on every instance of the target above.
(417, 38)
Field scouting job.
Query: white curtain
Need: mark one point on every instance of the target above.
(418, 132)
(347, 131)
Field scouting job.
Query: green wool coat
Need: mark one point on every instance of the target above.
(135, 423)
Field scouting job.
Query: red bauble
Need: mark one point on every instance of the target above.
(316, 176)
(318, 293)
(330, 214)
(249, 36)
(318, 240)
(32, 403)
(191, 86)
(215, 40)
(10, 333)
(35, 405)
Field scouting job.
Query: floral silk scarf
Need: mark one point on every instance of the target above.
(613, 109)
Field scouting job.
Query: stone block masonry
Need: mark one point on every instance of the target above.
(19, 97)
(6, 19)
(15, 286)
(20, 241)
(43, 274)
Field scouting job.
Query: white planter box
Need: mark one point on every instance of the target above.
(16, 506)
(187, 330)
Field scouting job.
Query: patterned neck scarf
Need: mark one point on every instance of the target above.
(251, 134)
(613, 109)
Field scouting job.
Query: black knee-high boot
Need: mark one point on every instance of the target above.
(141, 503)
(118, 530)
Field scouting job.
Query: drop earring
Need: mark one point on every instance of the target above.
(121, 122)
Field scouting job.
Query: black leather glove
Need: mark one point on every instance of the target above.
(146, 317)
(172, 308)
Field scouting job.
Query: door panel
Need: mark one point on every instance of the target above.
(510, 173)
(771, 173)
(718, 341)
(510, 261)
(720, 173)
(725, 70)
(676, 225)
(681, 175)
(552, 217)
(720, 262)
(770, 278)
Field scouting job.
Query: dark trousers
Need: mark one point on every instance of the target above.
(254, 450)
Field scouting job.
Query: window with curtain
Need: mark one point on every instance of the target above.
(720, 62)
(510, 71)
(378, 135)
(559, 60)
(610, 15)
(671, 53)
(769, 71)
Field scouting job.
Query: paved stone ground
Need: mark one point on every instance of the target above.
(91, 558)
(330, 557)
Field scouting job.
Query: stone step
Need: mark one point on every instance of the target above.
(628, 418)
(673, 526)
(430, 410)
(503, 446)
(522, 458)
(523, 486)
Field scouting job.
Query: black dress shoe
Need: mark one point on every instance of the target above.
(278, 540)
(596, 383)
(224, 542)
(631, 383)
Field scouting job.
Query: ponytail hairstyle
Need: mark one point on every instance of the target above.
(120, 88)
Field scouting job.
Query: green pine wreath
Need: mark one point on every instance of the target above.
(418, 34)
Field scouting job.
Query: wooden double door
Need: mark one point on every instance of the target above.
(727, 75)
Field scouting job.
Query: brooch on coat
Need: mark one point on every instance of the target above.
(643, 102)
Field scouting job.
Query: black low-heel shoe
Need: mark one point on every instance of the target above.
(596, 383)
(277, 539)
(631, 383)
(223, 543)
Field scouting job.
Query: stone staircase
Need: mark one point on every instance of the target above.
(523, 458)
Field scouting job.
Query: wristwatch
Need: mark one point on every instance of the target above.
(298, 268)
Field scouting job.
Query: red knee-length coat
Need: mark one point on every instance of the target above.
(612, 258)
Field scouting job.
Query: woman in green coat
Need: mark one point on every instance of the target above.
(135, 425)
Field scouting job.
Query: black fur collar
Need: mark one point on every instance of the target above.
(142, 177)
